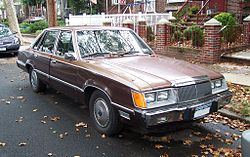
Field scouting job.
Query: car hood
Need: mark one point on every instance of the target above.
(151, 72)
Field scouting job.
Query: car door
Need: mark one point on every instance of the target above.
(63, 71)
(43, 49)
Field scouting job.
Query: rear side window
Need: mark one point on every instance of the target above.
(48, 42)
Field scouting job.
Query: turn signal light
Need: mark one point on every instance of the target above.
(139, 100)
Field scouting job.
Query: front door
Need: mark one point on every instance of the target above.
(62, 71)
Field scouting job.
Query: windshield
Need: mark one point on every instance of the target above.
(110, 42)
(4, 31)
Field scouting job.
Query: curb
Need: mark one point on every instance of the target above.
(29, 35)
(232, 115)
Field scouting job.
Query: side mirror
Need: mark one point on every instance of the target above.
(70, 56)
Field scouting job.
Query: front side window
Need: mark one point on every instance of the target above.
(65, 44)
(48, 42)
(110, 42)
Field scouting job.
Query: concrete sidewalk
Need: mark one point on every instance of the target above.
(240, 79)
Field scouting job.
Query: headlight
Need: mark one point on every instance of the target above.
(150, 97)
(16, 40)
(163, 95)
(218, 86)
(218, 83)
(154, 98)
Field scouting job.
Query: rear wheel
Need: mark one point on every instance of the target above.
(36, 84)
(103, 115)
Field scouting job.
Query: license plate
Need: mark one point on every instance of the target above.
(202, 110)
(2, 49)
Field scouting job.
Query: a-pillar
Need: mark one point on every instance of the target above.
(128, 23)
(163, 35)
(247, 30)
(142, 28)
(212, 42)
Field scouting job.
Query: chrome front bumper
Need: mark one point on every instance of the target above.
(192, 110)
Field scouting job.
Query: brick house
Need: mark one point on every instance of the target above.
(134, 6)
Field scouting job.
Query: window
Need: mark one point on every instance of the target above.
(35, 46)
(48, 42)
(64, 44)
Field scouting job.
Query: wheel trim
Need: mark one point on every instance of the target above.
(33, 79)
(101, 113)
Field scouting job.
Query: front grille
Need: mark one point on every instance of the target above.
(194, 91)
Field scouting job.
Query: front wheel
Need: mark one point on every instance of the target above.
(35, 82)
(103, 115)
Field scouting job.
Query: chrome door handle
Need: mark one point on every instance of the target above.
(53, 61)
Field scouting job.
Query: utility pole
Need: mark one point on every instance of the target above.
(12, 18)
(52, 13)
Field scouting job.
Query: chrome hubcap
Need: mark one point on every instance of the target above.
(101, 112)
(33, 79)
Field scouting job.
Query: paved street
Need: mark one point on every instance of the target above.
(40, 125)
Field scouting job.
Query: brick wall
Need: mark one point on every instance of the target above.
(160, 6)
(234, 6)
(182, 53)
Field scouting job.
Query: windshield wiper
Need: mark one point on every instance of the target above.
(127, 53)
(96, 54)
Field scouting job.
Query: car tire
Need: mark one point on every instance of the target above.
(104, 116)
(36, 84)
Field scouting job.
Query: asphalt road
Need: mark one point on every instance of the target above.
(40, 125)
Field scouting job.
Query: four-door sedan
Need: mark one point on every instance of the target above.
(9, 43)
(120, 78)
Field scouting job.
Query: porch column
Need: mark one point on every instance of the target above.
(128, 23)
(212, 44)
(142, 28)
(163, 35)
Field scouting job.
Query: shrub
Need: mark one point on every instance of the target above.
(194, 33)
(150, 34)
(229, 22)
(194, 10)
(60, 22)
(177, 36)
(25, 27)
(40, 25)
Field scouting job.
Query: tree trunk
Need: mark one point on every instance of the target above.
(51, 12)
(12, 19)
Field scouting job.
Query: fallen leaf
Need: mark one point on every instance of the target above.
(159, 146)
(103, 136)
(54, 119)
(88, 135)
(81, 124)
(34, 110)
(20, 97)
(12, 97)
(61, 136)
(42, 121)
(22, 144)
(50, 154)
(164, 155)
(2, 144)
(7, 102)
(187, 142)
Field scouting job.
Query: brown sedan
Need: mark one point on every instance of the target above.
(120, 78)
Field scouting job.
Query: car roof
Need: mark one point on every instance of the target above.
(76, 28)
